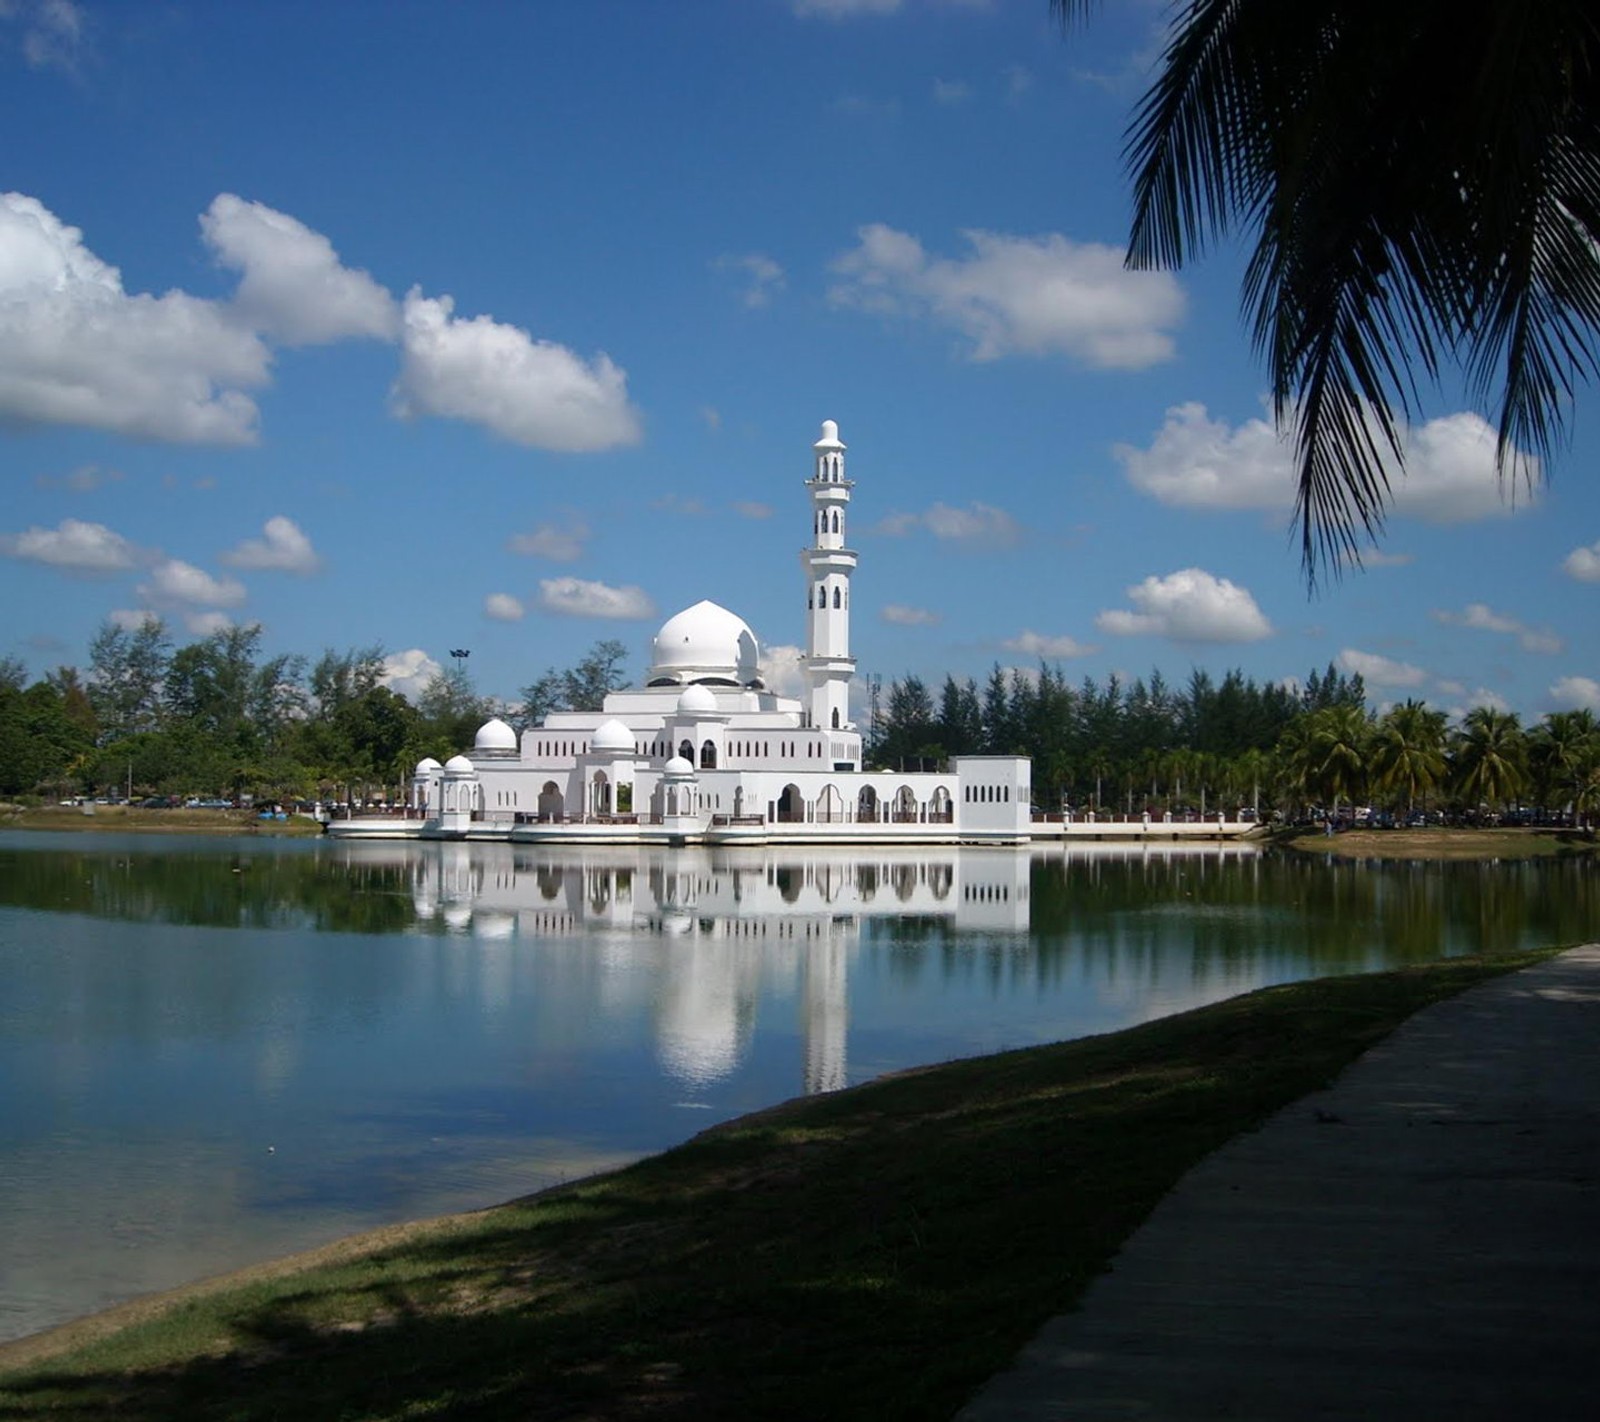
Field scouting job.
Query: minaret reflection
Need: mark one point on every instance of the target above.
(699, 939)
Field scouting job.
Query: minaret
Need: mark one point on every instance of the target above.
(828, 565)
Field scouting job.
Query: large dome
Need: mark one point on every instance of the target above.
(704, 643)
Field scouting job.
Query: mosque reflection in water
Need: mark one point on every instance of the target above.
(719, 927)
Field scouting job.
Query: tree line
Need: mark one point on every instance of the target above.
(1127, 748)
(215, 717)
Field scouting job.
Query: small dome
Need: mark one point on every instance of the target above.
(495, 735)
(678, 766)
(830, 437)
(427, 765)
(697, 701)
(611, 735)
(459, 765)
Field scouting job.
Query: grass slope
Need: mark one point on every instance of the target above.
(876, 1253)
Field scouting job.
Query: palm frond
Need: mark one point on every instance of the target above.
(1423, 179)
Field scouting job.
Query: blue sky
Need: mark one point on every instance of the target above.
(509, 327)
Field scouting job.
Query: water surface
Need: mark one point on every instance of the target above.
(214, 1051)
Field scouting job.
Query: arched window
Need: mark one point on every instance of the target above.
(836, 718)
(708, 756)
(686, 750)
(838, 598)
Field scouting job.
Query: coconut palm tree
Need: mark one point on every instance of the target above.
(1408, 752)
(1339, 738)
(1562, 749)
(1489, 758)
(1423, 182)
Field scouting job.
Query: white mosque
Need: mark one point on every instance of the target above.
(704, 752)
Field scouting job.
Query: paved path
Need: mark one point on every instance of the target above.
(1420, 1241)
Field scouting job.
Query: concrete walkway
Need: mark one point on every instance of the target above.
(1420, 1241)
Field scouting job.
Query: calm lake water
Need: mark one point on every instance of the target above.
(214, 1051)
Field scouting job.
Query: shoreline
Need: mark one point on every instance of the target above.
(1439, 843)
(124, 819)
(632, 1286)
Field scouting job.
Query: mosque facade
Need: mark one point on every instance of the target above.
(705, 752)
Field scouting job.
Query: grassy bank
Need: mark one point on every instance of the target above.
(871, 1254)
(123, 819)
(1439, 843)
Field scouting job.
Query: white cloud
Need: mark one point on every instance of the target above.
(203, 624)
(752, 508)
(1019, 79)
(559, 545)
(173, 581)
(1481, 697)
(131, 619)
(85, 479)
(502, 607)
(764, 277)
(54, 32)
(282, 548)
(1481, 616)
(845, 9)
(1198, 462)
(76, 349)
(1377, 558)
(1576, 693)
(534, 393)
(1037, 644)
(575, 597)
(1378, 671)
(293, 285)
(951, 91)
(407, 673)
(1018, 295)
(900, 615)
(1191, 605)
(979, 524)
(74, 547)
(781, 667)
(1583, 564)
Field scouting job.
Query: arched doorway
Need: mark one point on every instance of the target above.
(867, 805)
(600, 794)
(905, 806)
(830, 806)
(941, 810)
(551, 803)
(791, 806)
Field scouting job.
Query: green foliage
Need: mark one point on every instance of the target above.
(580, 688)
(1423, 186)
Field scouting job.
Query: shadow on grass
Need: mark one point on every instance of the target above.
(876, 1253)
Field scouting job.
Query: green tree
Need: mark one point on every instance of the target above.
(910, 732)
(580, 688)
(127, 677)
(1489, 758)
(1408, 747)
(1423, 182)
(1562, 750)
(40, 743)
